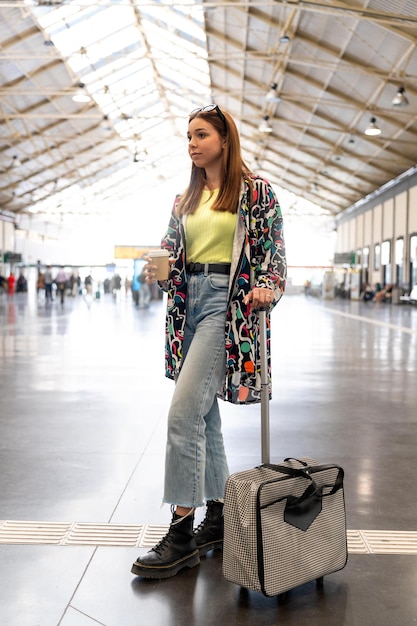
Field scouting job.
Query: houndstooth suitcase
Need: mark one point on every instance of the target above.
(284, 525)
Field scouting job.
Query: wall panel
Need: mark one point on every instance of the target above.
(9, 238)
(367, 234)
(400, 226)
(377, 224)
(388, 219)
(343, 238)
(412, 210)
(359, 232)
(352, 235)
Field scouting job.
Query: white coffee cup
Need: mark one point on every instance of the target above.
(160, 258)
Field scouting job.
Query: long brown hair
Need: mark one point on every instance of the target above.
(234, 168)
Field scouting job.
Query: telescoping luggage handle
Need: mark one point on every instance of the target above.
(305, 469)
(265, 437)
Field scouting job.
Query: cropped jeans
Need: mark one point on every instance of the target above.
(195, 466)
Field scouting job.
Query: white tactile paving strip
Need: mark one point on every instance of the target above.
(146, 535)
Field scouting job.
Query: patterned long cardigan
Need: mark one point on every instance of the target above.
(258, 261)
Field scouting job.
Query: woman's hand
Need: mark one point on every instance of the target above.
(259, 297)
(150, 269)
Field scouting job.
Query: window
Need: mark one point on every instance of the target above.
(399, 256)
(365, 264)
(413, 260)
(386, 261)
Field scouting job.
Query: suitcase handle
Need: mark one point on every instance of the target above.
(291, 471)
(306, 472)
(291, 458)
(312, 490)
(338, 483)
(301, 511)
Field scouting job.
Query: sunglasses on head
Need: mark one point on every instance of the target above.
(207, 109)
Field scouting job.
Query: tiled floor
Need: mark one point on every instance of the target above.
(83, 405)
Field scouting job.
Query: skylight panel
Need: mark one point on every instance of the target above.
(174, 41)
(98, 31)
(188, 20)
(145, 65)
(121, 45)
(67, 31)
(106, 23)
(120, 71)
(49, 18)
(125, 41)
(187, 72)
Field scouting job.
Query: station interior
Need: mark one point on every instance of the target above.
(95, 97)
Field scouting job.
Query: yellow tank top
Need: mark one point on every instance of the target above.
(209, 234)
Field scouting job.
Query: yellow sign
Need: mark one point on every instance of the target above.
(131, 252)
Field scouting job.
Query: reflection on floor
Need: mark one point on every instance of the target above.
(83, 406)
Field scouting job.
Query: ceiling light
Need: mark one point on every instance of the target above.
(81, 95)
(285, 39)
(264, 126)
(106, 123)
(16, 161)
(139, 156)
(400, 100)
(373, 129)
(272, 95)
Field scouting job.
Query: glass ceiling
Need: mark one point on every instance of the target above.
(145, 65)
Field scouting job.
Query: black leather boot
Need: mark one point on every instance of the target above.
(175, 551)
(209, 534)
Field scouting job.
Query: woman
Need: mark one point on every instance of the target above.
(227, 259)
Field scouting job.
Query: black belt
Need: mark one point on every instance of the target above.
(207, 268)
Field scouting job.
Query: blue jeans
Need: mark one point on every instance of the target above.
(195, 465)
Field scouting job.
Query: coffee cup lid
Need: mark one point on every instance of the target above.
(159, 252)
